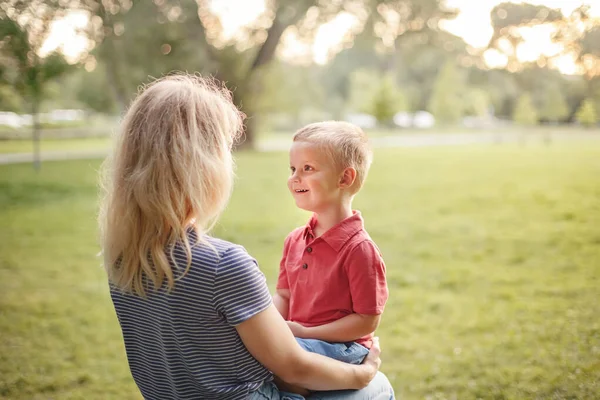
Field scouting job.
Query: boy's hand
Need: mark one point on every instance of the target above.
(297, 329)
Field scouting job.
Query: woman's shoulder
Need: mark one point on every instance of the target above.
(222, 250)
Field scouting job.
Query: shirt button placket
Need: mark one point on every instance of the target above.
(308, 250)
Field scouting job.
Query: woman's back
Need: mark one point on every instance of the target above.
(184, 344)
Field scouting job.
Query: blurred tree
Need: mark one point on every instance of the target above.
(506, 20)
(376, 95)
(403, 38)
(24, 27)
(285, 90)
(388, 100)
(501, 87)
(127, 32)
(476, 102)
(525, 112)
(554, 108)
(586, 115)
(141, 38)
(10, 99)
(579, 33)
(446, 102)
(90, 90)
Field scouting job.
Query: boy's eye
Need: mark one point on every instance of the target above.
(308, 168)
(292, 169)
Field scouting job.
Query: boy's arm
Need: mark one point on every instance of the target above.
(347, 329)
(281, 299)
(368, 288)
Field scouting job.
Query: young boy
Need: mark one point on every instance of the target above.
(331, 287)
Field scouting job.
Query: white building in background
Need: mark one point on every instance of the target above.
(403, 119)
(423, 119)
(365, 121)
(420, 119)
(20, 120)
(10, 119)
(65, 115)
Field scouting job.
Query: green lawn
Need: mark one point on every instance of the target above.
(493, 258)
(75, 144)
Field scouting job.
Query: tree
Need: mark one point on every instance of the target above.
(388, 100)
(90, 90)
(137, 39)
(525, 112)
(554, 107)
(445, 102)
(10, 99)
(476, 102)
(194, 38)
(508, 17)
(586, 115)
(23, 67)
(377, 95)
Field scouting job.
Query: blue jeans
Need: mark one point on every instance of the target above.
(351, 353)
(379, 389)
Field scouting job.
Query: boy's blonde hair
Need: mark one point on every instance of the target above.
(345, 143)
(171, 169)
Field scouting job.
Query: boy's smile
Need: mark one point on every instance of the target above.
(314, 180)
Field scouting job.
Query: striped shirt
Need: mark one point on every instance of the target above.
(183, 344)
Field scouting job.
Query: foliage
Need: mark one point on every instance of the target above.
(525, 112)
(554, 108)
(476, 102)
(388, 100)
(23, 68)
(10, 100)
(446, 102)
(377, 95)
(493, 293)
(586, 114)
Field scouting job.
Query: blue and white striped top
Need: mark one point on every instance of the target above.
(183, 344)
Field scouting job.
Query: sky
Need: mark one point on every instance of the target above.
(472, 24)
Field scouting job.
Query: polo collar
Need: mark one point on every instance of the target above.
(339, 234)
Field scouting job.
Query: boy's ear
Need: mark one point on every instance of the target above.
(348, 177)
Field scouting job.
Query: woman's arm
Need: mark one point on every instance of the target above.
(347, 329)
(281, 299)
(268, 338)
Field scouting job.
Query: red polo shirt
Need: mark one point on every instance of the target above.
(339, 273)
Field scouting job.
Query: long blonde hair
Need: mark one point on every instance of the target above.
(171, 169)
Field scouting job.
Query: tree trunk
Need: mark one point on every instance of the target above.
(249, 139)
(284, 17)
(37, 161)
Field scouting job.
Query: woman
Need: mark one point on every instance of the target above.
(195, 312)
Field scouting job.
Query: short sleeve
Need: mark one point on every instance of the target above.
(240, 288)
(282, 279)
(366, 275)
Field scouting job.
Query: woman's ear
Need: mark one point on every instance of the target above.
(348, 177)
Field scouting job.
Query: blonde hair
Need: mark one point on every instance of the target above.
(171, 169)
(345, 143)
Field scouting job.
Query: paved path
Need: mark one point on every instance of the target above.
(401, 140)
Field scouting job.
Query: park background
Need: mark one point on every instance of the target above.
(484, 196)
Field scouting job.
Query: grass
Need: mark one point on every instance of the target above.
(76, 144)
(493, 258)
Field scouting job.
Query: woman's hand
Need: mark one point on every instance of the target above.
(372, 360)
(269, 339)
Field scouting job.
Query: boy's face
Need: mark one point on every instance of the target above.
(314, 181)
